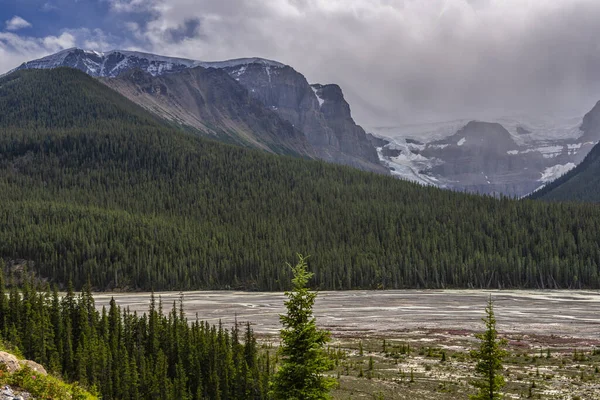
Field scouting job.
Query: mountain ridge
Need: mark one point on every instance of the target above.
(212, 102)
(162, 63)
(533, 152)
(280, 88)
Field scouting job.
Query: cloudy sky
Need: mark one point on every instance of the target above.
(398, 61)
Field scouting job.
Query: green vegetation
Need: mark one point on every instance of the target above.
(91, 186)
(300, 375)
(125, 356)
(489, 359)
(419, 376)
(44, 387)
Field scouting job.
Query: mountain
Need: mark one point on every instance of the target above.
(112, 63)
(212, 102)
(320, 111)
(94, 187)
(579, 184)
(325, 122)
(507, 156)
(481, 153)
(583, 182)
(590, 127)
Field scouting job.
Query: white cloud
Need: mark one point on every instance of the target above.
(401, 60)
(16, 49)
(17, 23)
(132, 5)
(397, 60)
(48, 6)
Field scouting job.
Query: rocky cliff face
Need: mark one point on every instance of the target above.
(214, 103)
(351, 139)
(319, 113)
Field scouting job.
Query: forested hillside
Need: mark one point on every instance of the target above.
(580, 184)
(91, 186)
(126, 356)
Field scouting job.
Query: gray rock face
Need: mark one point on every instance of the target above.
(352, 138)
(32, 365)
(377, 141)
(319, 111)
(591, 124)
(214, 103)
(9, 361)
(7, 393)
(325, 122)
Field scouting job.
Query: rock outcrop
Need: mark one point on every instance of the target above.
(12, 364)
(9, 362)
(590, 127)
(32, 365)
(7, 393)
(319, 111)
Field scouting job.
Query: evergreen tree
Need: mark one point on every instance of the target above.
(107, 351)
(300, 376)
(489, 359)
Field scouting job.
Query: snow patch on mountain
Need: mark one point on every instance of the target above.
(555, 139)
(95, 63)
(408, 164)
(237, 62)
(525, 130)
(556, 171)
(321, 101)
(236, 73)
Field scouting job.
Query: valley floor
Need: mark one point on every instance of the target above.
(387, 313)
(553, 337)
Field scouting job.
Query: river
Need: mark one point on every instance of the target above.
(386, 313)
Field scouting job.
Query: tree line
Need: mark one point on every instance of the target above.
(122, 355)
(93, 187)
(161, 355)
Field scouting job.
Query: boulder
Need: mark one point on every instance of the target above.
(33, 366)
(10, 362)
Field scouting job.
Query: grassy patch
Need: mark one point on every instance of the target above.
(44, 387)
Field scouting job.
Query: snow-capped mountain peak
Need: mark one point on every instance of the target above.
(114, 62)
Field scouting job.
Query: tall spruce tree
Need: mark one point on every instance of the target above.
(489, 359)
(300, 375)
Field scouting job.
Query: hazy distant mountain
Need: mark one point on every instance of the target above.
(508, 156)
(583, 182)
